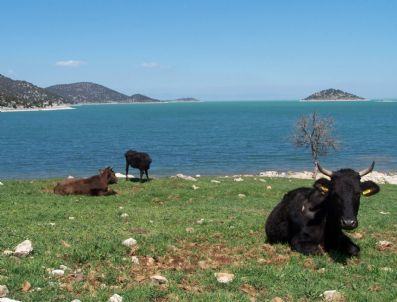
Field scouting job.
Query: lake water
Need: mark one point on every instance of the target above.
(207, 138)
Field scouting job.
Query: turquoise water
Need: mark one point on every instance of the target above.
(207, 138)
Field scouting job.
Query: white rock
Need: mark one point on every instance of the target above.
(238, 179)
(269, 187)
(63, 267)
(384, 213)
(57, 273)
(242, 195)
(129, 242)
(3, 291)
(215, 181)
(186, 177)
(387, 269)
(115, 298)
(224, 277)
(158, 279)
(194, 187)
(262, 180)
(1, 184)
(120, 175)
(72, 218)
(124, 215)
(120, 208)
(76, 300)
(331, 295)
(8, 300)
(135, 259)
(51, 223)
(200, 221)
(70, 177)
(198, 175)
(23, 249)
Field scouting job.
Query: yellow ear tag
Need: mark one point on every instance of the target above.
(324, 189)
(366, 192)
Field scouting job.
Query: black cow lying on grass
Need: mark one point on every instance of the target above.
(137, 160)
(95, 185)
(308, 218)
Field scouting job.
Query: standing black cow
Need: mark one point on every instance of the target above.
(137, 160)
(308, 218)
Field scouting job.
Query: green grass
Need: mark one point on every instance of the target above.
(230, 239)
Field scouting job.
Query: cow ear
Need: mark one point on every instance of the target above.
(322, 184)
(369, 188)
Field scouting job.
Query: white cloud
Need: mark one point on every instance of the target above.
(150, 65)
(70, 63)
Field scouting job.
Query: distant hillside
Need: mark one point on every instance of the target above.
(140, 98)
(86, 92)
(24, 94)
(332, 94)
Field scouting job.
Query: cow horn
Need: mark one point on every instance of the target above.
(322, 170)
(368, 170)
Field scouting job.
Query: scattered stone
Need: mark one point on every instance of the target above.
(57, 273)
(321, 270)
(120, 208)
(129, 242)
(224, 277)
(70, 177)
(158, 279)
(63, 267)
(357, 236)
(269, 187)
(1, 184)
(186, 177)
(135, 259)
(387, 269)
(384, 213)
(72, 218)
(215, 181)
(200, 221)
(331, 295)
(8, 252)
(115, 298)
(242, 195)
(150, 261)
(124, 215)
(194, 187)
(238, 179)
(51, 223)
(3, 291)
(277, 299)
(76, 300)
(23, 249)
(198, 175)
(189, 230)
(8, 300)
(383, 245)
(262, 180)
(26, 286)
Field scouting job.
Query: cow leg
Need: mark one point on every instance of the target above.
(305, 247)
(126, 171)
(141, 173)
(147, 175)
(346, 245)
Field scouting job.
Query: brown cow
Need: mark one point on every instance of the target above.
(96, 185)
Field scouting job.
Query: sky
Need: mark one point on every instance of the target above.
(208, 49)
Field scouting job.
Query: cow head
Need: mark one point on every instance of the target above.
(110, 175)
(344, 190)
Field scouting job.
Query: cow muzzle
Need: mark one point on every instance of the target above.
(349, 224)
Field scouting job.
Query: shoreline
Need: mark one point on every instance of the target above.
(376, 176)
(49, 108)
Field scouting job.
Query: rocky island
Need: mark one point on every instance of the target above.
(333, 95)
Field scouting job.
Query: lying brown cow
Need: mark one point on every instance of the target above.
(95, 185)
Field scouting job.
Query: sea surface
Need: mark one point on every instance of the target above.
(207, 138)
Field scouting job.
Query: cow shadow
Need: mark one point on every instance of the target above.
(338, 257)
(136, 179)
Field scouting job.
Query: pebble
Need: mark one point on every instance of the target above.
(3, 291)
(269, 187)
(63, 267)
(158, 279)
(57, 273)
(186, 177)
(76, 300)
(242, 195)
(129, 242)
(8, 252)
(331, 295)
(8, 300)
(124, 215)
(224, 277)
(200, 221)
(72, 218)
(135, 259)
(115, 298)
(238, 179)
(23, 249)
(215, 181)
(194, 187)
(1, 184)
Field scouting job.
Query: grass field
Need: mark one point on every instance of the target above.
(185, 235)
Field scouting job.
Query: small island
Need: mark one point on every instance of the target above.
(333, 95)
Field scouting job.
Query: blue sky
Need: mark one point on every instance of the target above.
(209, 49)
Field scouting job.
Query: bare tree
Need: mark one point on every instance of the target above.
(316, 134)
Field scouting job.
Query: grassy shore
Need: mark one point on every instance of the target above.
(185, 235)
